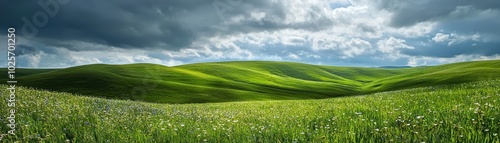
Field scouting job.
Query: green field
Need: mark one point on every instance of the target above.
(256, 101)
(245, 80)
(467, 112)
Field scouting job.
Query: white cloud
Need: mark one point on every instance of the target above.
(84, 60)
(172, 63)
(454, 38)
(415, 31)
(391, 45)
(348, 47)
(425, 61)
(293, 40)
(441, 37)
(458, 38)
(33, 60)
(293, 56)
(390, 48)
(356, 47)
(308, 55)
(412, 62)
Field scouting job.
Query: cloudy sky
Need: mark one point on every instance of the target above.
(63, 33)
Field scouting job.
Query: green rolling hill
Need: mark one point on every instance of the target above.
(244, 81)
(439, 75)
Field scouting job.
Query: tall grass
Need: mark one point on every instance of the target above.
(465, 112)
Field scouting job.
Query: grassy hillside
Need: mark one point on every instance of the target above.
(21, 72)
(453, 113)
(439, 75)
(246, 81)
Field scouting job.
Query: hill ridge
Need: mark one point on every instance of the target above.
(246, 80)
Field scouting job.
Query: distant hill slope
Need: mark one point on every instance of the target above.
(245, 81)
(438, 75)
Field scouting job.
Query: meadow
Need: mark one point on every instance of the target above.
(468, 112)
(244, 80)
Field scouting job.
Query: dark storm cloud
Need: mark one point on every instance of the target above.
(125, 24)
(462, 17)
(26, 50)
(410, 12)
(486, 25)
(171, 24)
(34, 50)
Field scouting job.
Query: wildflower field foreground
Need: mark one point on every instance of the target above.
(467, 112)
